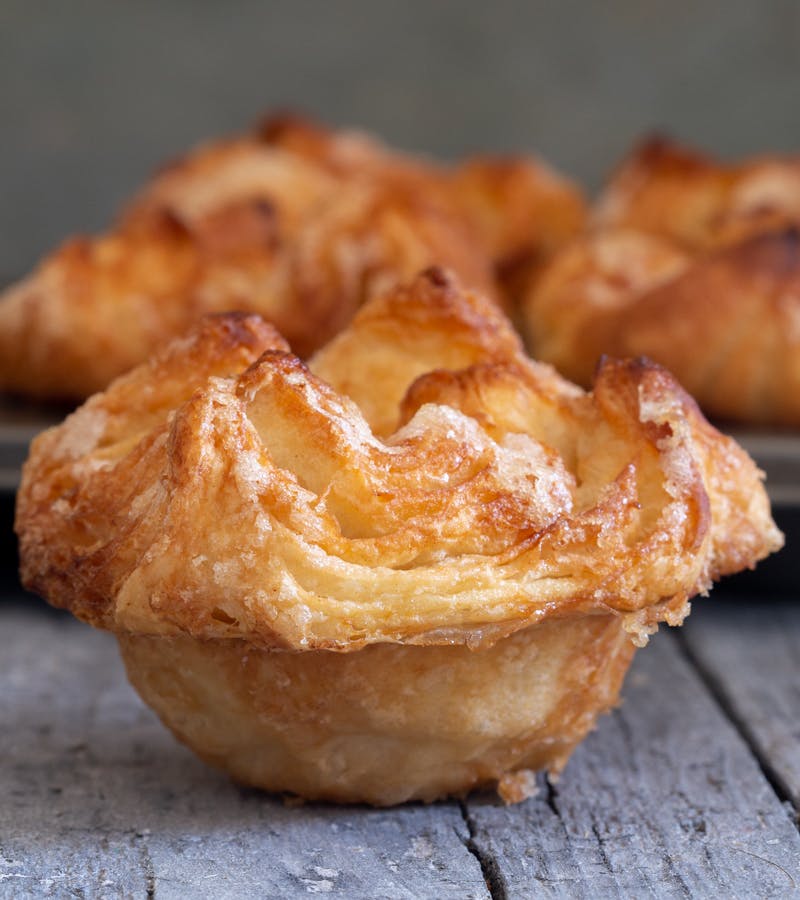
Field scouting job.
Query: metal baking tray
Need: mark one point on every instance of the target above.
(778, 454)
(19, 424)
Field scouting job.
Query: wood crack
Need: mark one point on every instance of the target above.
(490, 868)
(551, 795)
(147, 865)
(717, 691)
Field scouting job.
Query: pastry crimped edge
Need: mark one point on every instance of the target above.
(695, 264)
(304, 627)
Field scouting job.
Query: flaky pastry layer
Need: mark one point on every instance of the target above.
(391, 722)
(264, 505)
(700, 202)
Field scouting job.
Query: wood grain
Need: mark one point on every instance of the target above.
(663, 800)
(750, 656)
(98, 800)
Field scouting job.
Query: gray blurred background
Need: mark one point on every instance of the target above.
(94, 94)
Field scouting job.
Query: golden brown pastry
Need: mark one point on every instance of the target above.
(521, 208)
(394, 586)
(677, 192)
(694, 264)
(294, 222)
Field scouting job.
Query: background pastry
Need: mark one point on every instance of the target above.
(695, 264)
(294, 222)
(402, 593)
(679, 192)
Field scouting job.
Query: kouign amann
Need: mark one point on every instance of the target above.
(695, 264)
(418, 564)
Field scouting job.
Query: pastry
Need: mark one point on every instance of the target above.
(675, 191)
(389, 587)
(521, 209)
(294, 222)
(694, 264)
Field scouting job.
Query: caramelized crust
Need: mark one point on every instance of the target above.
(694, 264)
(521, 208)
(294, 222)
(389, 587)
(524, 212)
(400, 336)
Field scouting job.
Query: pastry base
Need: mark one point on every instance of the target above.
(388, 723)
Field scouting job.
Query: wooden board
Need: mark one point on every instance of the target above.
(97, 797)
(749, 655)
(663, 800)
(97, 800)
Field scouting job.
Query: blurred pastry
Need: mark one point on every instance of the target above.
(677, 192)
(521, 209)
(694, 264)
(294, 222)
(419, 564)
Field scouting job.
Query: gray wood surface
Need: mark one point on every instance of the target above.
(663, 800)
(97, 800)
(750, 656)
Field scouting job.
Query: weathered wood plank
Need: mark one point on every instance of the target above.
(97, 800)
(663, 800)
(750, 654)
